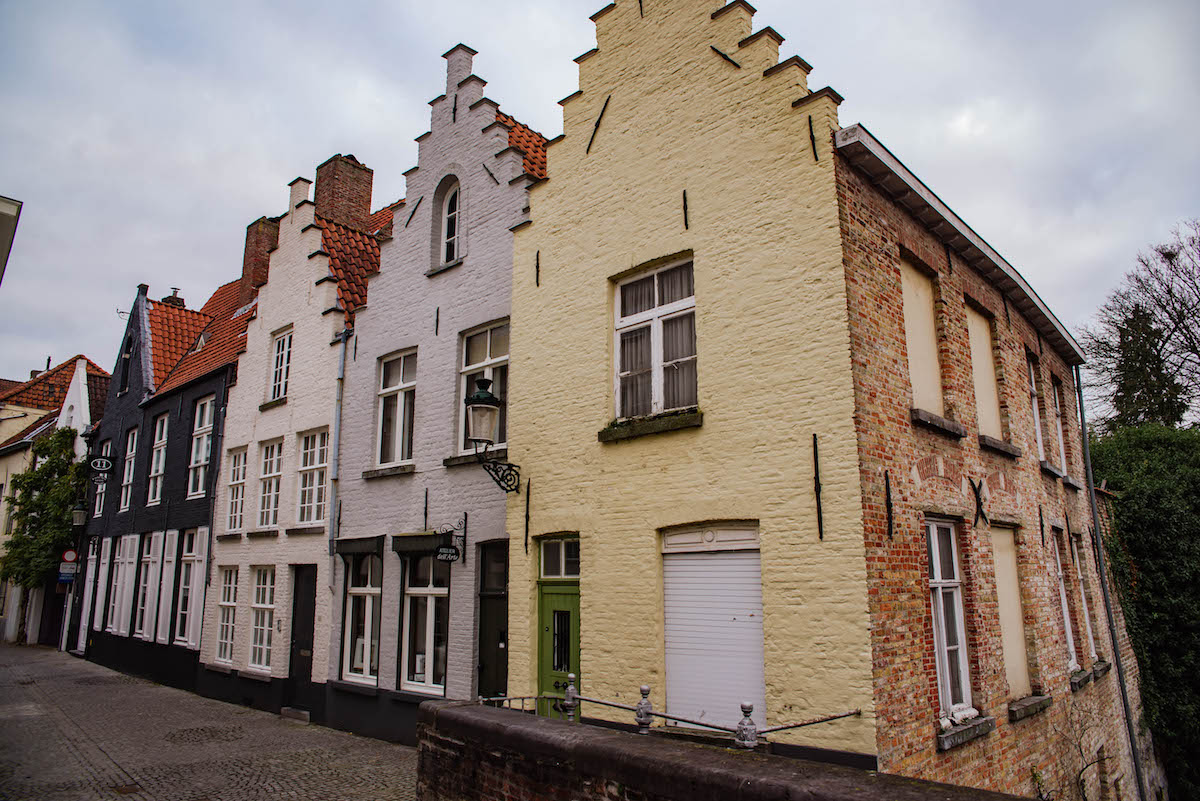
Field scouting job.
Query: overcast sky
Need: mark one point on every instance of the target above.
(144, 136)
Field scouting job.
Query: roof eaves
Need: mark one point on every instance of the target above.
(870, 156)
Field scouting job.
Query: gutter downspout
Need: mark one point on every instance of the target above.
(334, 458)
(1103, 571)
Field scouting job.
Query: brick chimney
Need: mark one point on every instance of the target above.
(262, 236)
(173, 299)
(343, 192)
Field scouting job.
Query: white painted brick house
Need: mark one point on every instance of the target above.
(268, 614)
(438, 317)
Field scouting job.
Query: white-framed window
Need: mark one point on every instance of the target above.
(114, 590)
(655, 342)
(189, 580)
(1083, 601)
(1036, 403)
(281, 364)
(269, 477)
(397, 408)
(158, 460)
(426, 613)
(237, 488)
(102, 488)
(314, 459)
(202, 431)
(262, 617)
(227, 614)
(143, 587)
(127, 469)
(1056, 388)
(485, 355)
(1068, 626)
(360, 650)
(560, 558)
(451, 225)
(949, 630)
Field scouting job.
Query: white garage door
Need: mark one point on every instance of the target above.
(713, 612)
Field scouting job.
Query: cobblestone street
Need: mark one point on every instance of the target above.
(72, 730)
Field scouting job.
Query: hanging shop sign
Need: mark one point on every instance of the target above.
(446, 553)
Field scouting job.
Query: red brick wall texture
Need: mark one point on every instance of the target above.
(929, 474)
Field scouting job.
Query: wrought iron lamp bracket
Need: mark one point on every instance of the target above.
(506, 475)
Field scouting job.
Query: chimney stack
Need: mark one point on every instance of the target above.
(262, 236)
(343, 192)
(173, 299)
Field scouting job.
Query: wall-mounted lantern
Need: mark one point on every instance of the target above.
(483, 418)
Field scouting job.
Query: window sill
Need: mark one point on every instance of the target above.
(999, 446)
(273, 403)
(304, 531)
(263, 533)
(255, 675)
(619, 430)
(217, 667)
(417, 696)
(964, 733)
(1101, 668)
(194, 497)
(1051, 470)
(1080, 679)
(937, 423)
(354, 687)
(384, 472)
(470, 458)
(229, 536)
(450, 265)
(1073, 483)
(1027, 707)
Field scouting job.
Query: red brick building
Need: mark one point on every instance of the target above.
(988, 669)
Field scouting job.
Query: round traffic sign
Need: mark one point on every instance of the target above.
(70, 555)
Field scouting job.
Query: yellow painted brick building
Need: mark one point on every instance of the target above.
(689, 142)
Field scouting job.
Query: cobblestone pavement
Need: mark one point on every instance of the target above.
(72, 730)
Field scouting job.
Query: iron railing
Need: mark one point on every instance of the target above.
(745, 735)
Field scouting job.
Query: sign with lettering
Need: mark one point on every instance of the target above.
(446, 553)
(101, 464)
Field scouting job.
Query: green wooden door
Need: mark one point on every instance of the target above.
(558, 641)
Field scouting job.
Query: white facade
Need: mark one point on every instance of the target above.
(423, 304)
(300, 300)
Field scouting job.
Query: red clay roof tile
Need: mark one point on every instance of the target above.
(48, 389)
(353, 256)
(173, 331)
(532, 143)
(222, 338)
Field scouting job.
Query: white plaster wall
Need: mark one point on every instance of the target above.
(293, 297)
(76, 411)
(408, 309)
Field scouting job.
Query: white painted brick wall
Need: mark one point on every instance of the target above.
(290, 297)
(407, 309)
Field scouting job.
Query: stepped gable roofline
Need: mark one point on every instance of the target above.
(47, 390)
(173, 330)
(868, 155)
(217, 345)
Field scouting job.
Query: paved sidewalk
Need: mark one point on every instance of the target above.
(75, 731)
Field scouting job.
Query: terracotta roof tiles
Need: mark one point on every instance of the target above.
(383, 218)
(529, 141)
(353, 255)
(47, 390)
(223, 339)
(173, 331)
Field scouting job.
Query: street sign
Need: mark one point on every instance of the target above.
(67, 567)
(446, 553)
(101, 464)
(70, 555)
(100, 478)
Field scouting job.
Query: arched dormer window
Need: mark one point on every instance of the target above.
(451, 225)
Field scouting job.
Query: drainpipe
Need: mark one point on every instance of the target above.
(334, 460)
(1103, 571)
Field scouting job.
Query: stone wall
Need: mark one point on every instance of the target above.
(486, 754)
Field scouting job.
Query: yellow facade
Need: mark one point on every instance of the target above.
(773, 352)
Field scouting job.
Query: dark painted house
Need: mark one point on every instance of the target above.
(149, 533)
